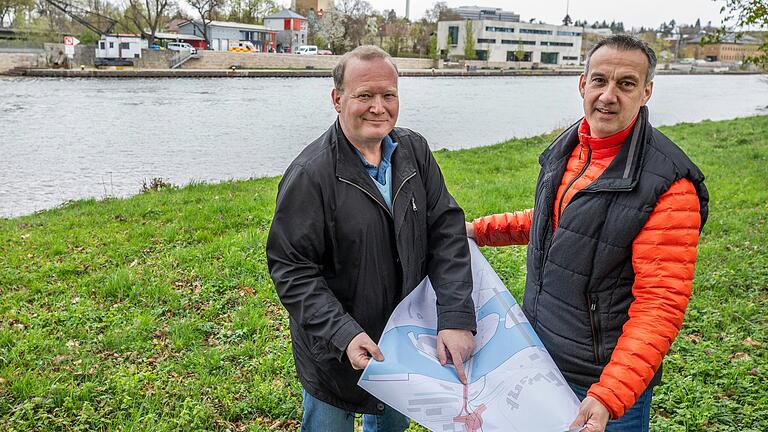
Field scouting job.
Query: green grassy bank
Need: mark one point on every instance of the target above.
(157, 312)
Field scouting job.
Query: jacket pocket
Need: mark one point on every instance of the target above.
(594, 320)
(318, 347)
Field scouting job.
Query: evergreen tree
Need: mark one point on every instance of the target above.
(432, 52)
(469, 41)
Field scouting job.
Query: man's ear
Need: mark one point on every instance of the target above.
(648, 90)
(336, 98)
(582, 85)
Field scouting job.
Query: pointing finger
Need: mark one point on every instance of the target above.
(457, 363)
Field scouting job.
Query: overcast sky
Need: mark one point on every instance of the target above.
(647, 13)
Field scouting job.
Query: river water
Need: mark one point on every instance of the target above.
(64, 139)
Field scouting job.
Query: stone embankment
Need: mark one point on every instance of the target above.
(156, 64)
(21, 60)
(271, 73)
(225, 60)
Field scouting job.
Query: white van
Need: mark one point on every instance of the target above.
(306, 50)
(181, 46)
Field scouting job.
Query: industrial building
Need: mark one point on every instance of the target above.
(221, 34)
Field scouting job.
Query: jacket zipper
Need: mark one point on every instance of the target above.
(342, 179)
(594, 320)
(560, 212)
(401, 188)
(568, 186)
(541, 267)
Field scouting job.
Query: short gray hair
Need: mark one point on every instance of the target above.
(626, 43)
(363, 52)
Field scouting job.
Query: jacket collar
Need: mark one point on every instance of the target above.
(624, 171)
(349, 167)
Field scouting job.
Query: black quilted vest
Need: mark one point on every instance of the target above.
(579, 282)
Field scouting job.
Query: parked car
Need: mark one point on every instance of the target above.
(325, 52)
(306, 50)
(181, 46)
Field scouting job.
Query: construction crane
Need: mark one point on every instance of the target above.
(111, 50)
(99, 24)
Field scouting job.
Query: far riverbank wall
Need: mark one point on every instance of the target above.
(221, 64)
(204, 60)
(225, 60)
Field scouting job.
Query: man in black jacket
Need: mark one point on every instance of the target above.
(362, 216)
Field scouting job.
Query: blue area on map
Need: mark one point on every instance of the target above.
(398, 349)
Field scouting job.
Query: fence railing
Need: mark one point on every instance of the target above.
(180, 58)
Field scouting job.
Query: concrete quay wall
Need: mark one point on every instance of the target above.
(18, 60)
(225, 60)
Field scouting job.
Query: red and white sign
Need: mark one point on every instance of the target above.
(69, 46)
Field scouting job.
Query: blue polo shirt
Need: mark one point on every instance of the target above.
(382, 175)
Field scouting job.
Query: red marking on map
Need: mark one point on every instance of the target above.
(473, 421)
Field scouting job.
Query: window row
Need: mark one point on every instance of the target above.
(517, 42)
(499, 29)
(525, 56)
(530, 31)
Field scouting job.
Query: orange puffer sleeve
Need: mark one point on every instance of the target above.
(503, 229)
(663, 257)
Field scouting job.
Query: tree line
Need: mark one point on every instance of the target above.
(349, 24)
(42, 20)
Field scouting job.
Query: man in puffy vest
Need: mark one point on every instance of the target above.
(612, 241)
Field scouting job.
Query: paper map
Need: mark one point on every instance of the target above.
(513, 383)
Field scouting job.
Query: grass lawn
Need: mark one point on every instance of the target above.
(157, 312)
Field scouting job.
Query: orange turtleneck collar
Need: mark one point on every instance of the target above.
(581, 171)
(595, 143)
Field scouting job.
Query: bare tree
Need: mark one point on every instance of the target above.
(148, 16)
(440, 12)
(9, 9)
(331, 30)
(355, 21)
(397, 32)
(207, 11)
(250, 11)
(420, 34)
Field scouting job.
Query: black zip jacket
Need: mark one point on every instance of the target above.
(341, 261)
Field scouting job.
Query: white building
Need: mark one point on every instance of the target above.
(505, 41)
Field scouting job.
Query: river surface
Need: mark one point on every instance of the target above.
(64, 139)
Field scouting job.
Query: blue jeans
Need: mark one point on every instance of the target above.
(636, 419)
(322, 417)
